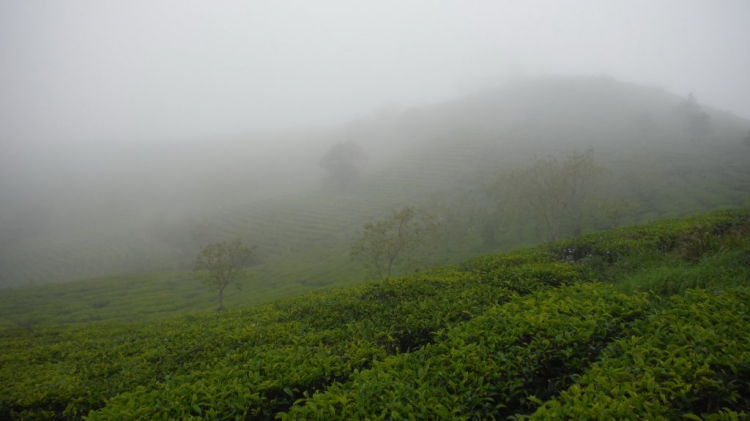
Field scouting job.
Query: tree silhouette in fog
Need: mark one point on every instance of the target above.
(341, 162)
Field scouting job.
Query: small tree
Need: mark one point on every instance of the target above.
(382, 245)
(342, 164)
(487, 208)
(554, 192)
(223, 264)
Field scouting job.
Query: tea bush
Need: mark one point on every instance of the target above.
(502, 335)
(689, 361)
(489, 366)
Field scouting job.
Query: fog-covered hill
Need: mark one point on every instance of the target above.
(92, 210)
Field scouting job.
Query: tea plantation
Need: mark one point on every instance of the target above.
(642, 322)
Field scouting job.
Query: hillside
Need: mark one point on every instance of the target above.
(144, 209)
(648, 321)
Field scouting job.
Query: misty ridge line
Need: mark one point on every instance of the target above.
(170, 71)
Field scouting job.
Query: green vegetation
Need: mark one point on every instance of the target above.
(648, 320)
(689, 361)
(305, 243)
(223, 265)
(574, 329)
(551, 192)
(489, 366)
(107, 299)
(341, 162)
(395, 242)
(443, 157)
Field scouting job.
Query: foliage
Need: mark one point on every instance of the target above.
(223, 264)
(342, 164)
(690, 360)
(488, 367)
(529, 333)
(490, 209)
(389, 243)
(552, 191)
(304, 237)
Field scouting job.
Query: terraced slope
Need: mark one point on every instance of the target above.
(637, 132)
(551, 332)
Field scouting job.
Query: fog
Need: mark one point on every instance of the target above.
(117, 115)
(177, 70)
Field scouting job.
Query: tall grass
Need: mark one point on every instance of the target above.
(702, 258)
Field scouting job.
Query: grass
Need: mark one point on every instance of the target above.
(702, 258)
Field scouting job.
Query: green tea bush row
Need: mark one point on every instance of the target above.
(256, 382)
(78, 369)
(691, 361)
(75, 370)
(405, 312)
(490, 338)
(490, 366)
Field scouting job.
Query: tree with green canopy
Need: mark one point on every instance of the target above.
(383, 245)
(222, 264)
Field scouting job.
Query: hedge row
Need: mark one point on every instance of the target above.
(205, 365)
(691, 361)
(490, 366)
(493, 337)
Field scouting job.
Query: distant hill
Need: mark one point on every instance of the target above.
(87, 211)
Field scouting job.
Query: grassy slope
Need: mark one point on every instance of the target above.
(552, 332)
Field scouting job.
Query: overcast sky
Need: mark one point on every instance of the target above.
(170, 70)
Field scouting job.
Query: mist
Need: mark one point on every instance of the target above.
(129, 124)
(174, 71)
